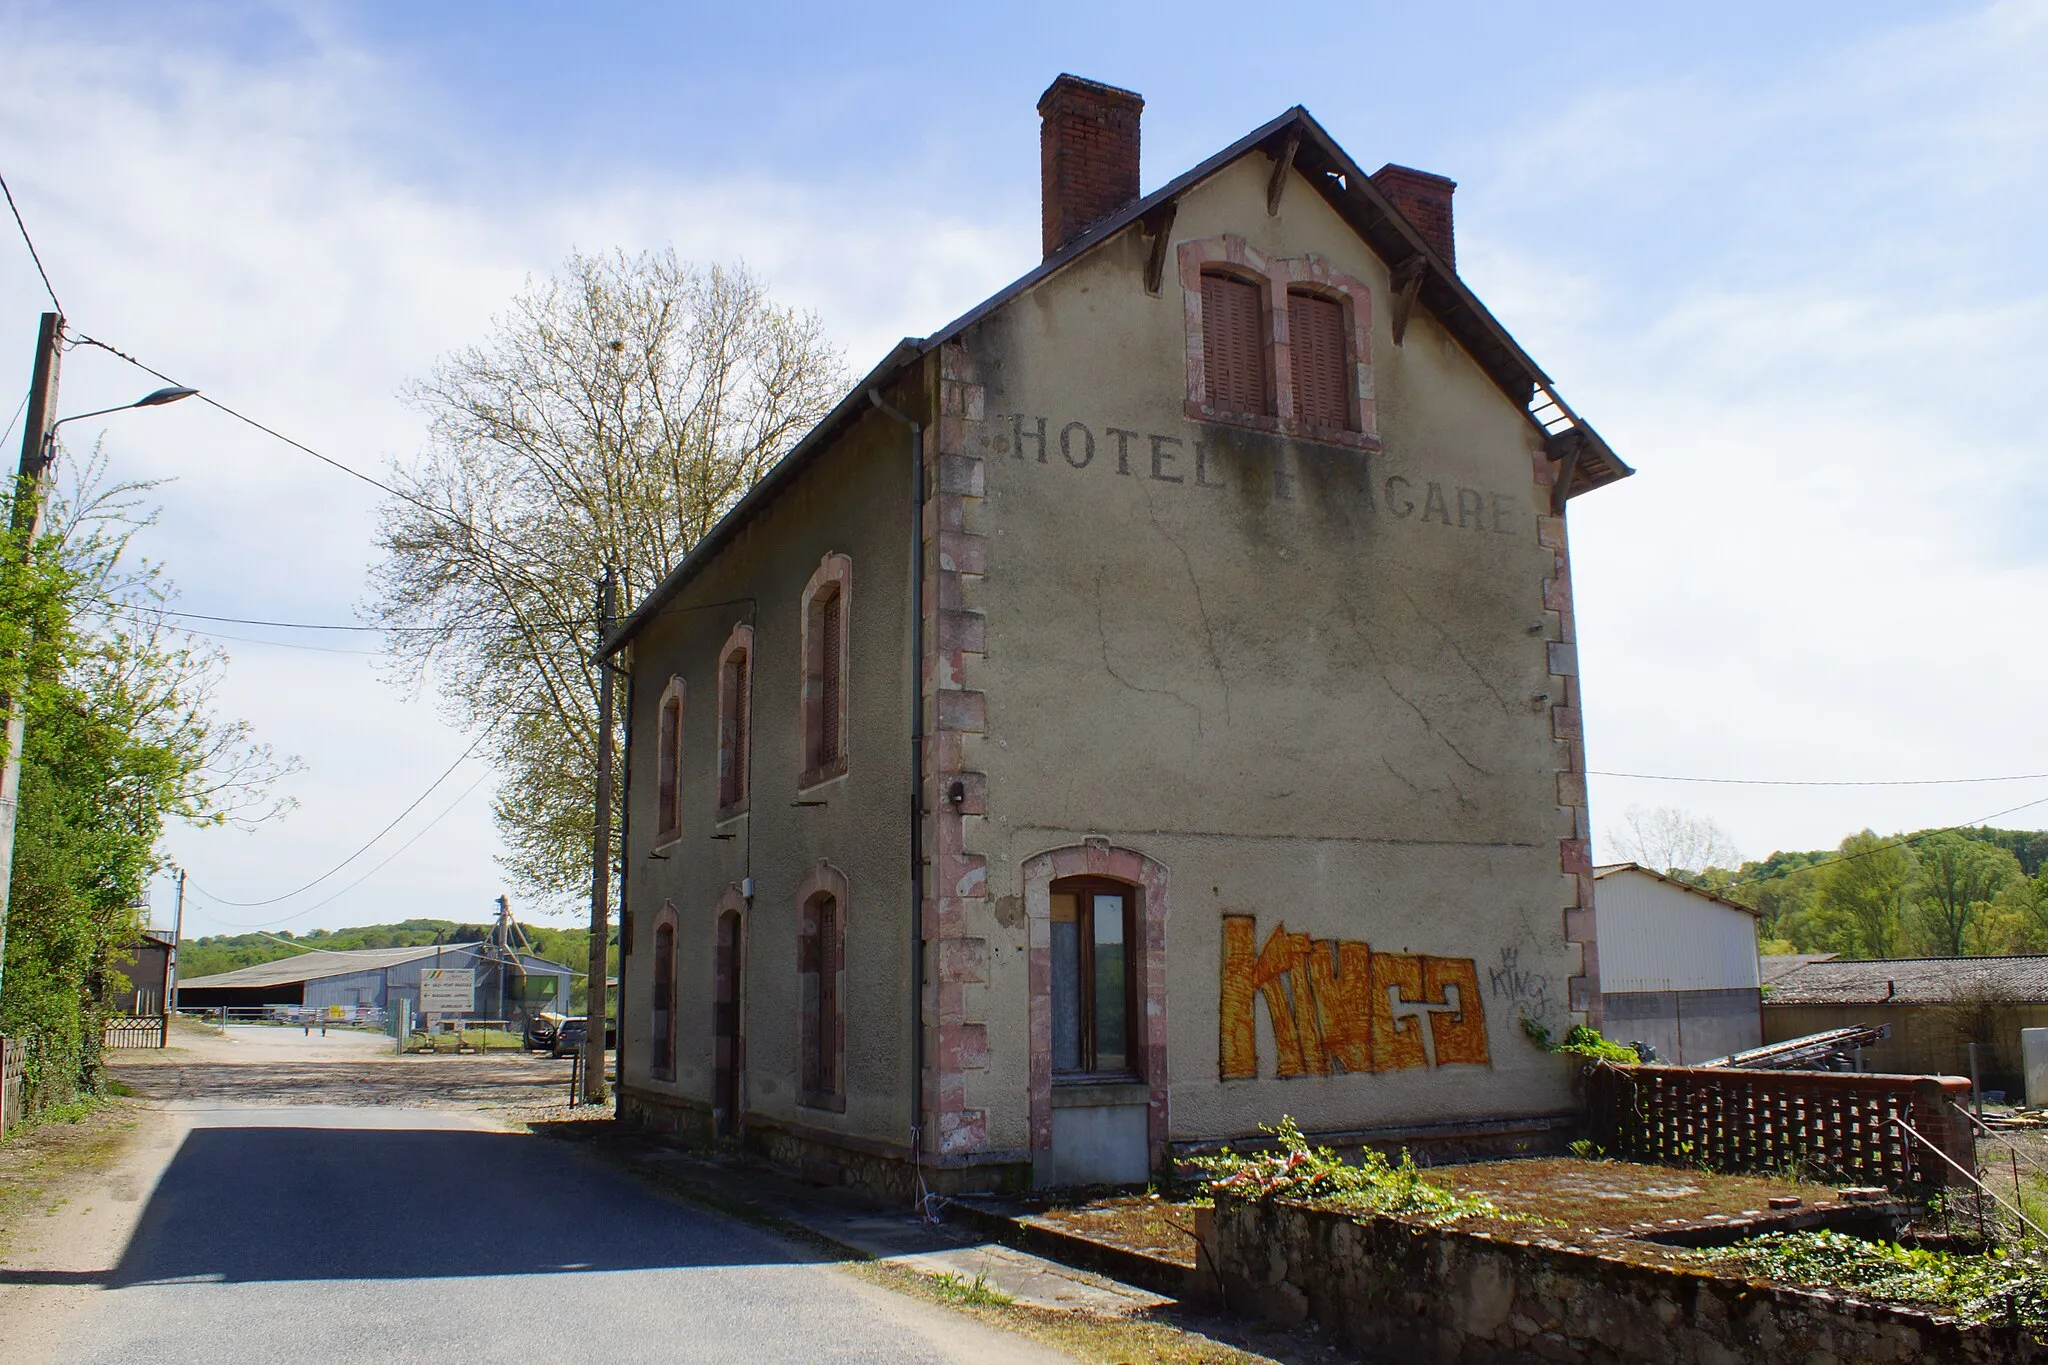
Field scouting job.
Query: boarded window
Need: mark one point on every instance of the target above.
(1318, 361)
(1234, 346)
(733, 737)
(668, 768)
(663, 1023)
(820, 956)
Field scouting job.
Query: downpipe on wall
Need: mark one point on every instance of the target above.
(917, 498)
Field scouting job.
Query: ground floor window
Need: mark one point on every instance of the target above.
(1094, 982)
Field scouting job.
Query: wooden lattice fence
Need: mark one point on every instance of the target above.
(1829, 1126)
(139, 1031)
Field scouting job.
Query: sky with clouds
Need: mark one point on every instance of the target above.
(1784, 257)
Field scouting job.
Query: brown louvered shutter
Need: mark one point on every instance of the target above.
(829, 681)
(1233, 346)
(667, 775)
(741, 739)
(1315, 338)
(827, 1042)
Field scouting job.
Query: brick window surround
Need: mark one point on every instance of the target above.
(1148, 882)
(1230, 256)
(661, 1019)
(832, 583)
(668, 764)
(735, 721)
(822, 904)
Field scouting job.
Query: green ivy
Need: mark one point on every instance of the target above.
(1583, 1042)
(1988, 1287)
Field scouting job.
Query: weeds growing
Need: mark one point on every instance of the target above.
(1298, 1171)
(2001, 1286)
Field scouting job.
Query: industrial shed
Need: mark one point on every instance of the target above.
(1935, 1007)
(1678, 966)
(508, 985)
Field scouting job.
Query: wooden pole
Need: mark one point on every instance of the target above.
(30, 498)
(596, 996)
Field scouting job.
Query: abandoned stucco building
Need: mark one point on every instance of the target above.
(1145, 707)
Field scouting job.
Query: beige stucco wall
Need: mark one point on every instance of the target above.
(855, 501)
(1308, 705)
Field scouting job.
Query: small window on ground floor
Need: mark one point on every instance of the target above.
(1094, 982)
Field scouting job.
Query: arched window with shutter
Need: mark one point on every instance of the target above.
(735, 721)
(821, 966)
(826, 616)
(668, 765)
(1234, 370)
(661, 1024)
(1319, 358)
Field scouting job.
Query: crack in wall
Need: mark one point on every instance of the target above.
(1202, 607)
(1102, 639)
(1456, 648)
(1428, 726)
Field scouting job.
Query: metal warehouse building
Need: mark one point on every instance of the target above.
(1678, 966)
(508, 985)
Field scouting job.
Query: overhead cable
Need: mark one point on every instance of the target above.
(30, 242)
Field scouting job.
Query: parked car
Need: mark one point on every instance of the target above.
(541, 1029)
(569, 1037)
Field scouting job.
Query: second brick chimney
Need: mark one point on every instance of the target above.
(1087, 154)
(1425, 201)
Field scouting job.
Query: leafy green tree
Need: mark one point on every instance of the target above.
(1958, 878)
(120, 736)
(1862, 897)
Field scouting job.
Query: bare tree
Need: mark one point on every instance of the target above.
(1672, 841)
(614, 414)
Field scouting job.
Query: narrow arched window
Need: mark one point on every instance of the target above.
(1319, 361)
(1094, 978)
(821, 961)
(735, 734)
(662, 1004)
(825, 653)
(668, 780)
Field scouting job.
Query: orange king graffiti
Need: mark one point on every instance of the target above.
(1336, 1006)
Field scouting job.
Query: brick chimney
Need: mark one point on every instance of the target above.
(1087, 155)
(1425, 201)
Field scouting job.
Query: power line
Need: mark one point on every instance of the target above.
(30, 242)
(301, 914)
(368, 844)
(450, 517)
(1817, 782)
(4, 436)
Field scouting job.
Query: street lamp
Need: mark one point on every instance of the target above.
(28, 519)
(154, 399)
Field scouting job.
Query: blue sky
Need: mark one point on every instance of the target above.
(1784, 257)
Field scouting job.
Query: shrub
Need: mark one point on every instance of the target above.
(1295, 1170)
(1994, 1286)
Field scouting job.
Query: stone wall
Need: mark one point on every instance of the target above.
(1428, 1294)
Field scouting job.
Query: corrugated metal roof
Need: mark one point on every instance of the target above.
(1912, 981)
(318, 963)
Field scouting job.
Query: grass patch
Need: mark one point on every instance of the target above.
(2001, 1286)
(977, 1292)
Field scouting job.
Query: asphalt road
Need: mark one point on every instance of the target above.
(326, 1233)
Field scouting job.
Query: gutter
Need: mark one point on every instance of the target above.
(917, 500)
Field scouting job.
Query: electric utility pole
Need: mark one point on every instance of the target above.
(30, 496)
(596, 996)
(177, 943)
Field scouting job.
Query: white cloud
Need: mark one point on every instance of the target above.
(249, 230)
